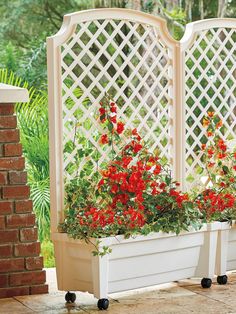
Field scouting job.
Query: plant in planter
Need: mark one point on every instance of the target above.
(134, 193)
(216, 199)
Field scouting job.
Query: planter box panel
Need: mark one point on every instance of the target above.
(231, 257)
(73, 269)
(140, 266)
(133, 263)
(152, 280)
(159, 245)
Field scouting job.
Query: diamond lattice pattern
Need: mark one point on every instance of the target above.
(210, 85)
(130, 62)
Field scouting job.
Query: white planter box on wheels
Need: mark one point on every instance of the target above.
(133, 263)
(82, 67)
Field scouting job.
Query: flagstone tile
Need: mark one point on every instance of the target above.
(10, 306)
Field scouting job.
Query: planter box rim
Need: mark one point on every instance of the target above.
(113, 240)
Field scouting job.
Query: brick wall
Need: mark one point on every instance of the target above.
(20, 264)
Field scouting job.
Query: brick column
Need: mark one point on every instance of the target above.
(20, 264)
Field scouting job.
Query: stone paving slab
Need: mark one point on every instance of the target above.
(184, 297)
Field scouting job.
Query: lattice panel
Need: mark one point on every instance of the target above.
(210, 85)
(127, 60)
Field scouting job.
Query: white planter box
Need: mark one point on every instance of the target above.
(134, 262)
(231, 254)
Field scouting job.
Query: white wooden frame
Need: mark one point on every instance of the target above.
(177, 52)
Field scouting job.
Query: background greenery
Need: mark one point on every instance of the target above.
(24, 26)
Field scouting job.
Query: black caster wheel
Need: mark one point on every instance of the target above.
(103, 304)
(222, 280)
(70, 297)
(206, 282)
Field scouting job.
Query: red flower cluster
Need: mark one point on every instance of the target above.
(134, 188)
(108, 116)
(221, 166)
(212, 202)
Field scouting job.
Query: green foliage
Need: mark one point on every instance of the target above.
(47, 251)
(33, 124)
(25, 24)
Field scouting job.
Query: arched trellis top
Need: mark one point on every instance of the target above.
(167, 86)
(70, 22)
(192, 29)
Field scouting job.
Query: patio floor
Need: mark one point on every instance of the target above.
(182, 297)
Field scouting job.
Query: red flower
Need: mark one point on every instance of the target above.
(113, 109)
(157, 169)
(114, 189)
(162, 186)
(100, 183)
(120, 127)
(102, 111)
(126, 161)
(219, 124)
(210, 152)
(221, 155)
(222, 145)
(210, 114)
(104, 139)
(113, 119)
(211, 164)
(137, 147)
(210, 133)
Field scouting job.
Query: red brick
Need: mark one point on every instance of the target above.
(41, 289)
(8, 236)
(2, 222)
(23, 206)
(15, 192)
(8, 122)
(26, 278)
(3, 178)
(5, 250)
(6, 207)
(33, 263)
(6, 109)
(28, 234)
(20, 220)
(13, 163)
(8, 265)
(18, 177)
(3, 280)
(9, 136)
(27, 249)
(12, 149)
(11, 292)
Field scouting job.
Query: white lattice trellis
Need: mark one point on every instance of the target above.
(209, 53)
(162, 87)
(124, 53)
(127, 60)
